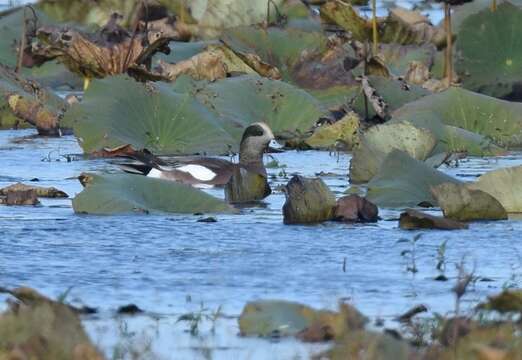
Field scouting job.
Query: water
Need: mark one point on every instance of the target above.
(160, 261)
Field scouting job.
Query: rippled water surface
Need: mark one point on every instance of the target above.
(169, 264)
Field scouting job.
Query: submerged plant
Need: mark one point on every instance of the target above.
(410, 254)
(195, 319)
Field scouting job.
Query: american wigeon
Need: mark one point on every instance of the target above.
(207, 172)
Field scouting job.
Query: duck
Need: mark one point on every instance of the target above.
(208, 172)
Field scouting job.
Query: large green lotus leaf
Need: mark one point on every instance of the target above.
(490, 51)
(393, 92)
(462, 12)
(277, 46)
(505, 185)
(403, 182)
(335, 96)
(127, 193)
(450, 138)
(497, 119)
(240, 101)
(118, 110)
(376, 143)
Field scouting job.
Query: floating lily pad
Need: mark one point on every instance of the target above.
(339, 135)
(505, 185)
(118, 110)
(283, 318)
(126, 193)
(450, 138)
(404, 182)
(460, 203)
(376, 143)
(496, 119)
(490, 51)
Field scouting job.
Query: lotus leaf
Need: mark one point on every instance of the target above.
(127, 193)
(451, 138)
(281, 48)
(505, 185)
(283, 318)
(215, 15)
(461, 13)
(404, 182)
(344, 15)
(240, 101)
(460, 203)
(376, 143)
(490, 50)
(493, 118)
(395, 93)
(339, 135)
(118, 110)
(398, 57)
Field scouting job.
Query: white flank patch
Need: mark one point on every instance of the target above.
(198, 172)
(203, 186)
(154, 173)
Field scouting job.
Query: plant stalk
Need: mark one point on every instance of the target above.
(374, 28)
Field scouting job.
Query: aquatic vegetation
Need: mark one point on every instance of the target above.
(176, 77)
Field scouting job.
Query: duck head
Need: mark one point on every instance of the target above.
(254, 143)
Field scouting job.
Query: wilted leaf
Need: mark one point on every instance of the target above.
(126, 193)
(216, 62)
(460, 203)
(48, 192)
(415, 220)
(344, 15)
(509, 300)
(339, 135)
(30, 102)
(99, 54)
(39, 328)
(490, 50)
(404, 182)
(493, 118)
(505, 185)
(372, 345)
(378, 141)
